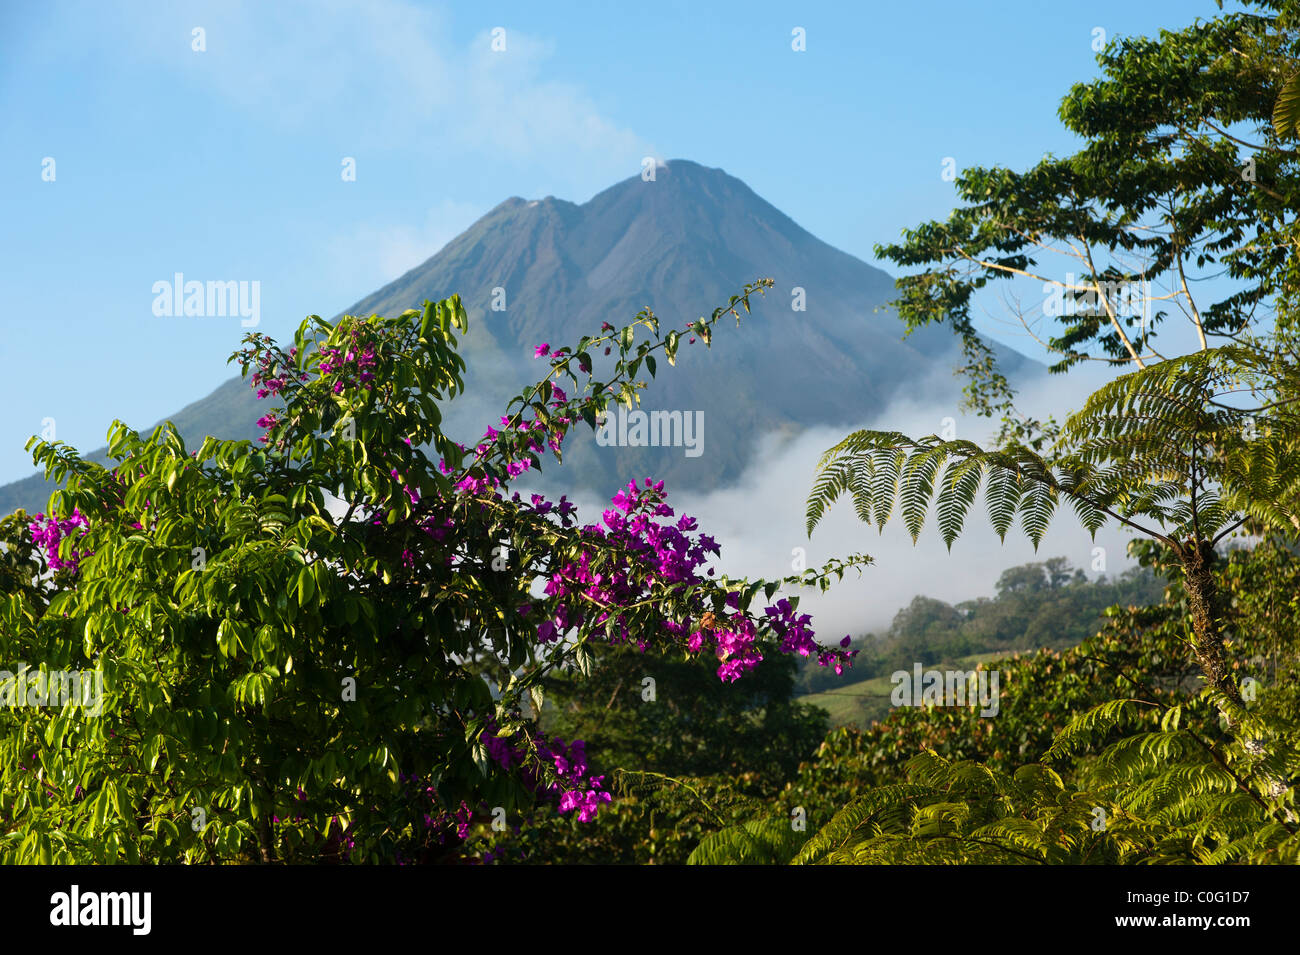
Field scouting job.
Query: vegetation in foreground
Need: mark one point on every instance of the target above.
(338, 648)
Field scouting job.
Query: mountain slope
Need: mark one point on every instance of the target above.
(680, 244)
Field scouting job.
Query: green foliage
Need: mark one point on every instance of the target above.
(1037, 605)
(653, 820)
(1286, 111)
(697, 757)
(758, 842)
(278, 670)
(1181, 176)
(674, 716)
(1160, 444)
(1108, 753)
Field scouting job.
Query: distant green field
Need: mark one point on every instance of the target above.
(863, 703)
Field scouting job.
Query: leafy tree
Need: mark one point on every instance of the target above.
(1157, 189)
(328, 648)
(1182, 178)
(1113, 460)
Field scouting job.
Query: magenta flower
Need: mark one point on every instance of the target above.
(48, 532)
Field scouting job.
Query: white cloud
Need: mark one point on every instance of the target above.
(513, 109)
(391, 74)
(387, 79)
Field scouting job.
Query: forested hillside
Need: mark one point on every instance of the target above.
(1038, 605)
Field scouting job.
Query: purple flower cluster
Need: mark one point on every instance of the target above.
(268, 379)
(47, 532)
(640, 549)
(412, 494)
(797, 636)
(574, 786)
(529, 756)
(351, 365)
(358, 359)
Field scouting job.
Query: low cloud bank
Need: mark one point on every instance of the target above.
(760, 521)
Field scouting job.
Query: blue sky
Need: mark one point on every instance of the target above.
(225, 163)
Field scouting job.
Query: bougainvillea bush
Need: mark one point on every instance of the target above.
(329, 645)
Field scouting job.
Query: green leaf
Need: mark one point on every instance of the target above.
(1286, 110)
(306, 586)
(227, 638)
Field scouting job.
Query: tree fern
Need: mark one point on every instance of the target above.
(770, 841)
(1163, 450)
